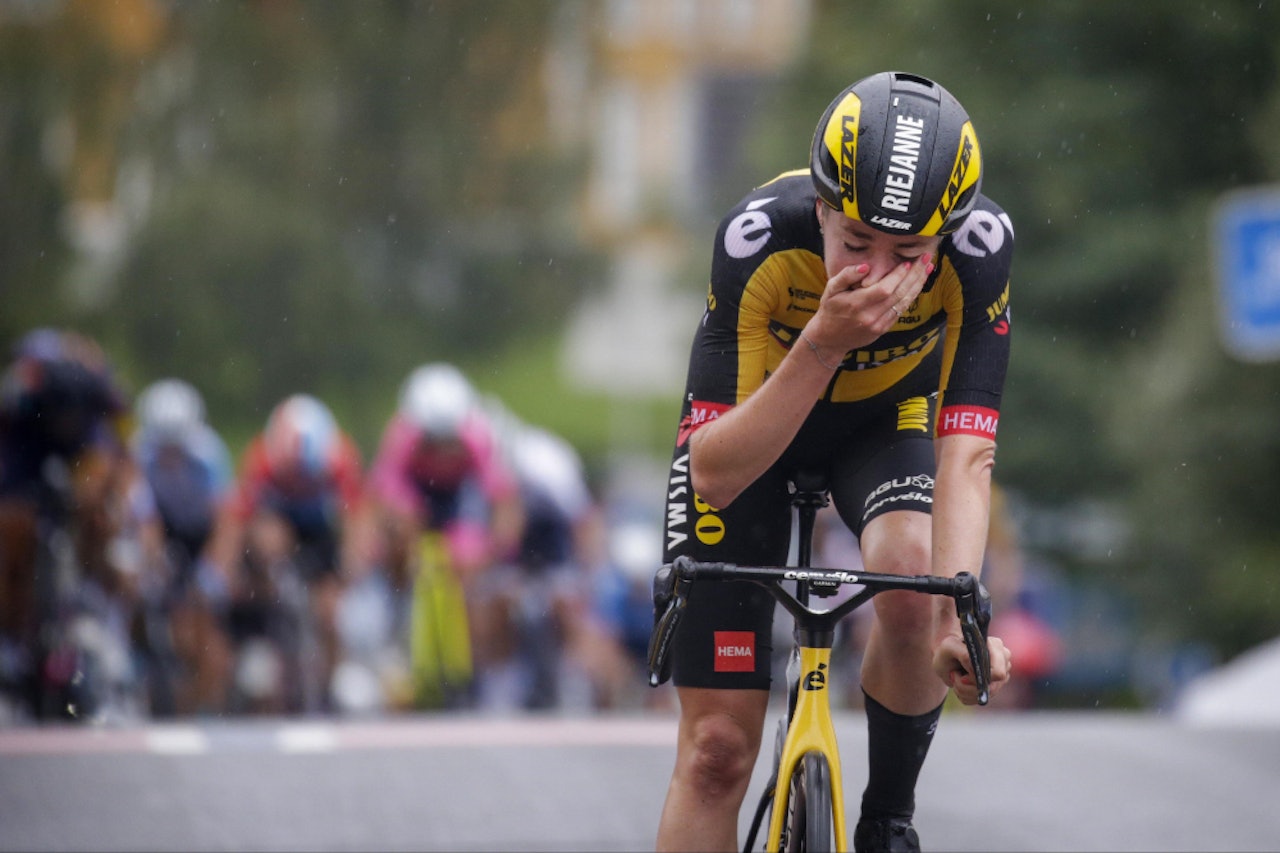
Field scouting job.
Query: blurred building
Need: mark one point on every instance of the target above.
(667, 88)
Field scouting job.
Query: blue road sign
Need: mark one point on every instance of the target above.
(1247, 243)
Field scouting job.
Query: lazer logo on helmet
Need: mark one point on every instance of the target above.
(958, 175)
(885, 222)
(848, 156)
(901, 177)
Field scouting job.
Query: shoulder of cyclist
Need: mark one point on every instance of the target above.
(493, 469)
(778, 216)
(348, 474)
(981, 251)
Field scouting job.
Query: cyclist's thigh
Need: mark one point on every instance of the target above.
(725, 638)
(17, 567)
(887, 501)
(896, 477)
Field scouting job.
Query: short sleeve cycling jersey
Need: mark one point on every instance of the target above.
(190, 478)
(767, 278)
(56, 400)
(311, 506)
(410, 478)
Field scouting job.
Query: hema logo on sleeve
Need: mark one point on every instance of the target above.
(735, 651)
(968, 420)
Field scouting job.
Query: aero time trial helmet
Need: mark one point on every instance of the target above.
(899, 153)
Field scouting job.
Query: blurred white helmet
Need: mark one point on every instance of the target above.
(635, 547)
(170, 410)
(547, 462)
(302, 436)
(437, 399)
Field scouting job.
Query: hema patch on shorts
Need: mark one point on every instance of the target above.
(735, 651)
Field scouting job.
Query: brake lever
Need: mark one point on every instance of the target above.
(670, 595)
(973, 607)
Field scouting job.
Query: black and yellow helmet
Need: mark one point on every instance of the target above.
(898, 152)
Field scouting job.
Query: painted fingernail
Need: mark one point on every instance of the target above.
(862, 269)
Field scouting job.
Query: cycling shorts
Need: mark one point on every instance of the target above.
(876, 458)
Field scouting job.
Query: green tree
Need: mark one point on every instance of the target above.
(342, 192)
(1107, 134)
(33, 253)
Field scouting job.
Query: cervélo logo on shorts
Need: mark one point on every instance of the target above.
(735, 651)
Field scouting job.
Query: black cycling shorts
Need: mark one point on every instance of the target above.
(875, 458)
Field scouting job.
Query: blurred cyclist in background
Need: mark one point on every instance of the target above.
(556, 652)
(285, 547)
(622, 598)
(188, 467)
(448, 508)
(1019, 608)
(64, 482)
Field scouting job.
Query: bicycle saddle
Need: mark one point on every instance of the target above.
(810, 480)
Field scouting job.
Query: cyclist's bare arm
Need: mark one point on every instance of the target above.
(225, 548)
(731, 453)
(961, 505)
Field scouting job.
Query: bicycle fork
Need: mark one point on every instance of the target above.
(811, 731)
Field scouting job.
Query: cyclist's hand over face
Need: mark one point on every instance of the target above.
(856, 308)
(951, 663)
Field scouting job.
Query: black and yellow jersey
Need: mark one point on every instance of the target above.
(767, 278)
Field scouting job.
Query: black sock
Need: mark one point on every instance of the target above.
(897, 746)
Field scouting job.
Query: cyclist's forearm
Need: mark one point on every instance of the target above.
(961, 509)
(731, 452)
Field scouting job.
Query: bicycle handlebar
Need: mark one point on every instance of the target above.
(673, 581)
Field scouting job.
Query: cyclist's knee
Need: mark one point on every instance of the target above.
(723, 754)
(898, 548)
(905, 615)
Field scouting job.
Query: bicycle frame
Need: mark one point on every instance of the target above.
(810, 730)
(439, 632)
(809, 726)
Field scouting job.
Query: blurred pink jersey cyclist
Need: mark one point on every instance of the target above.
(448, 509)
(439, 468)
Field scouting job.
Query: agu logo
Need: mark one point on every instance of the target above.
(735, 651)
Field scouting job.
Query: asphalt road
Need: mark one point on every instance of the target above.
(995, 781)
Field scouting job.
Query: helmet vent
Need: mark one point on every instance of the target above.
(904, 77)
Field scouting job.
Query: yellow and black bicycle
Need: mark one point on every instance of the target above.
(804, 797)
